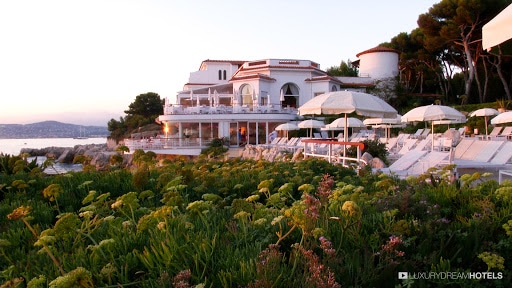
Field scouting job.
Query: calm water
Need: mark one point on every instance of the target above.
(13, 146)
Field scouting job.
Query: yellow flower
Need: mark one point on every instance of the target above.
(19, 213)
(350, 207)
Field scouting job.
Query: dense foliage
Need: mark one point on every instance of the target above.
(141, 112)
(238, 223)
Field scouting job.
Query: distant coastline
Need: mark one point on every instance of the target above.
(51, 129)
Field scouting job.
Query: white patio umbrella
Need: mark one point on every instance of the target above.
(339, 124)
(311, 123)
(502, 118)
(281, 96)
(287, 127)
(484, 112)
(386, 123)
(497, 32)
(345, 102)
(431, 113)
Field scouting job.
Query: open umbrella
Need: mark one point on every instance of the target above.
(502, 118)
(386, 123)
(339, 124)
(496, 34)
(484, 112)
(311, 123)
(287, 127)
(431, 113)
(345, 102)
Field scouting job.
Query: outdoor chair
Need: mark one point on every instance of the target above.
(495, 132)
(418, 133)
(507, 132)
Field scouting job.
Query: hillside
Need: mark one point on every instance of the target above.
(50, 129)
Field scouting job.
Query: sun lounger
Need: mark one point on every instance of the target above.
(473, 150)
(463, 145)
(503, 155)
(430, 160)
(506, 133)
(404, 162)
(391, 144)
(407, 146)
(495, 132)
(488, 151)
(418, 133)
(424, 134)
(422, 144)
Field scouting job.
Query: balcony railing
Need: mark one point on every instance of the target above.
(172, 109)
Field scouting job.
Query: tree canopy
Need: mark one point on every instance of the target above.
(143, 111)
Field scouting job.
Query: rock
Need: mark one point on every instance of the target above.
(66, 156)
(377, 163)
(367, 157)
(102, 160)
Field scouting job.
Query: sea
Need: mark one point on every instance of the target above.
(14, 146)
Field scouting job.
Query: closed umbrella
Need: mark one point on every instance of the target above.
(484, 112)
(431, 113)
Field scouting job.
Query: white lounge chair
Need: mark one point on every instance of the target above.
(488, 151)
(473, 150)
(495, 132)
(506, 133)
(404, 162)
(462, 147)
(503, 155)
(430, 160)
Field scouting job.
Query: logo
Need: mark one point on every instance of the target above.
(402, 275)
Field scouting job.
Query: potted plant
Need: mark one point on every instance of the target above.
(502, 105)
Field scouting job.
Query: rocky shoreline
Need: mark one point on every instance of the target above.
(99, 154)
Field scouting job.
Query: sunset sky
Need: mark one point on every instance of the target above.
(84, 62)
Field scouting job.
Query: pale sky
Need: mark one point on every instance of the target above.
(84, 62)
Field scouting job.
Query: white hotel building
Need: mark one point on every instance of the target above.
(226, 97)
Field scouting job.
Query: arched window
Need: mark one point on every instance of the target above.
(290, 94)
(247, 95)
(224, 75)
(334, 88)
(220, 74)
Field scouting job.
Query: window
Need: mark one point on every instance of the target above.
(224, 74)
(220, 74)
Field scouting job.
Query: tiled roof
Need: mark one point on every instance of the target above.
(378, 49)
(253, 76)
